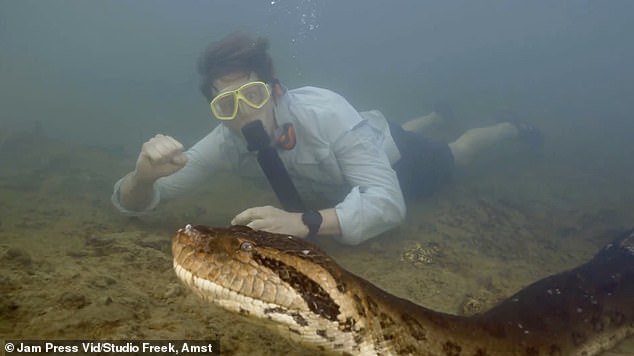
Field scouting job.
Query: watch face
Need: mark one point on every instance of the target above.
(312, 219)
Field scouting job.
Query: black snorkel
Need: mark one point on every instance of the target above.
(272, 166)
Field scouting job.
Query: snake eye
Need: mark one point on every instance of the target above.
(246, 247)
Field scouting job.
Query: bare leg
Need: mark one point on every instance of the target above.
(474, 141)
(419, 124)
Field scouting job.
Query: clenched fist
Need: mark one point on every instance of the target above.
(160, 156)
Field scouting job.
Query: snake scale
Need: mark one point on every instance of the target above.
(288, 283)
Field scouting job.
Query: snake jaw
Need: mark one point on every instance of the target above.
(304, 300)
(234, 270)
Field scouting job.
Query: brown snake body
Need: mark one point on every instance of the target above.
(289, 283)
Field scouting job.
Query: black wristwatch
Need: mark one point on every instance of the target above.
(313, 220)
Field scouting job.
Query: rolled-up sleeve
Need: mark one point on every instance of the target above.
(203, 159)
(116, 201)
(375, 203)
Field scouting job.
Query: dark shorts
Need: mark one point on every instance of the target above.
(425, 164)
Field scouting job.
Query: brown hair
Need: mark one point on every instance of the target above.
(235, 53)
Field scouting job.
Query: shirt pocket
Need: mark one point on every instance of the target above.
(319, 166)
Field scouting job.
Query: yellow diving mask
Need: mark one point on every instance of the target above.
(225, 105)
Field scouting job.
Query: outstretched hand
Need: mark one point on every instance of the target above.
(272, 219)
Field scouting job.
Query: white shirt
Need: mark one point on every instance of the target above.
(341, 155)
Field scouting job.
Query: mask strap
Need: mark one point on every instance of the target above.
(276, 88)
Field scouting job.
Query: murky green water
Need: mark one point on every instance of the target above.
(74, 268)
